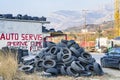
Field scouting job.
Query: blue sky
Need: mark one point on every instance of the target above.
(45, 7)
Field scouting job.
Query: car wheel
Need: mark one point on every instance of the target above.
(103, 63)
(119, 66)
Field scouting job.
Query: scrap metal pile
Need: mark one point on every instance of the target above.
(64, 58)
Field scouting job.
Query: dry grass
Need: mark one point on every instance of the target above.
(37, 77)
(8, 66)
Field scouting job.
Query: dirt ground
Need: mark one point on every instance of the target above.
(39, 77)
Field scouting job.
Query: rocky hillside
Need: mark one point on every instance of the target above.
(64, 19)
(91, 27)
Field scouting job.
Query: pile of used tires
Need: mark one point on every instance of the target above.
(22, 17)
(52, 30)
(64, 58)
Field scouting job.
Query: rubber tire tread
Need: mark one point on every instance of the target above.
(97, 69)
(89, 66)
(53, 71)
(51, 66)
(83, 60)
(59, 56)
(66, 59)
(75, 51)
(70, 73)
(63, 70)
(83, 55)
(68, 63)
(86, 73)
(77, 66)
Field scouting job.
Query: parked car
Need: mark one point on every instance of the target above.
(111, 58)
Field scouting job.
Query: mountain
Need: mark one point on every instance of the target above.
(64, 19)
(91, 27)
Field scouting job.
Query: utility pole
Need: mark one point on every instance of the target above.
(85, 26)
(99, 34)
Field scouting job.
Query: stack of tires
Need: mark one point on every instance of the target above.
(64, 58)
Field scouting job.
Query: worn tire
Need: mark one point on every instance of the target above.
(89, 67)
(41, 55)
(31, 63)
(59, 65)
(59, 56)
(80, 50)
(27, 69)
(72, 72)
(50, 56)
(54, 50)
(48, 63)
(97, 69)
(28, 62)
(37, 58)
(76, 46)
(83, 60)
(75, 58)
(46, 50)
(64, 41)
(25, 53)
(66, 57)
(61, 44)
(47, 74)
(68, 63)
(92, 60)
(86, 55)
(49, 44)
(85, 73)
(65, 50)
(77, 66)
(39, 63)
(53, 71)
(70, 43)
(63, 70)
(75, 51)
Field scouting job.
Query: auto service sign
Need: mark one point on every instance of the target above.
(21, 34)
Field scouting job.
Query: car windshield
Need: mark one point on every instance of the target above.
(114, 51)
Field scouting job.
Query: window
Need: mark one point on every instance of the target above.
(114, 51)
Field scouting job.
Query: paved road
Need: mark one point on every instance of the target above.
(110, 71)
